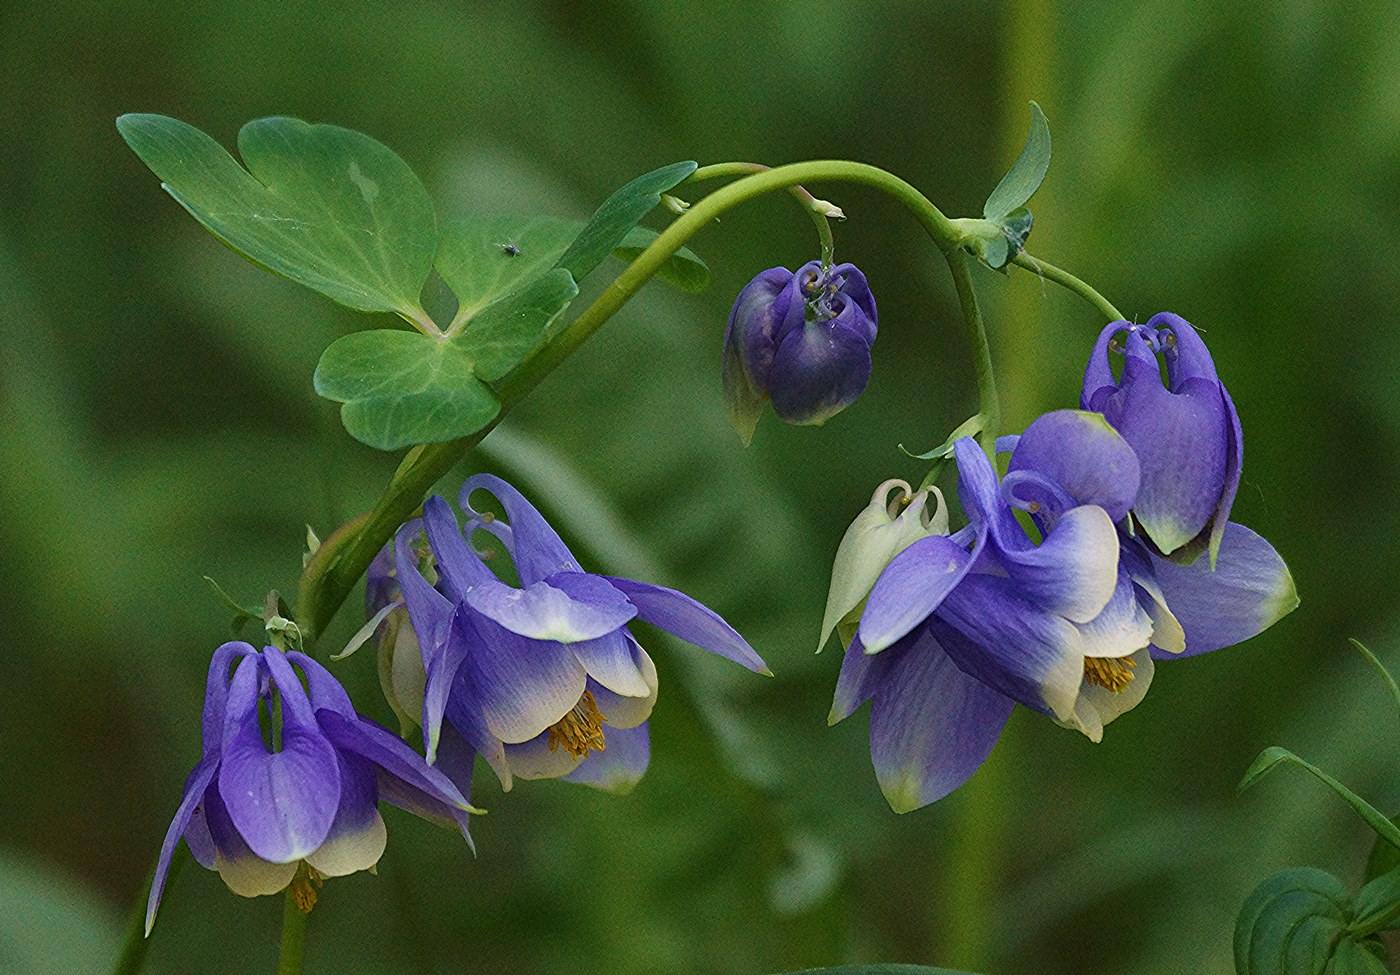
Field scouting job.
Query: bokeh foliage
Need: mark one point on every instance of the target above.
(158, 423)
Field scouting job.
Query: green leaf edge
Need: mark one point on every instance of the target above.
(125, 125)
(1271, 757)
(1028, 170)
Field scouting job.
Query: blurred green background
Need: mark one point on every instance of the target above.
(1235, 162)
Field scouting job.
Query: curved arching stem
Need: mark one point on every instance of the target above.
(329, 577)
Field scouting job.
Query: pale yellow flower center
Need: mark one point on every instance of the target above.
(581, 730)
(1113, 673)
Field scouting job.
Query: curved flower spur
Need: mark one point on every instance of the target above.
(545, 680)
(1186, 434)
(306, 808)
(957, 629)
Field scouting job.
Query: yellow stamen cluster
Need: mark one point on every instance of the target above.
(581, 730)
(304, 886)
(1113, 673)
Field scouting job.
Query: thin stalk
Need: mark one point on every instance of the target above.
(329, 577)
(1066, 280)
(293, 936)
(988, 403)
(818, 210)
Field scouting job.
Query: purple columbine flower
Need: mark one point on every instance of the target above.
(256, 814)
(800, 340)
(545, 680)
(1186, 434)
(959, 628)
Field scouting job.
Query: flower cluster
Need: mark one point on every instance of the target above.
(801, 340)
(1065, 617)
(545, 680)
(256, 811)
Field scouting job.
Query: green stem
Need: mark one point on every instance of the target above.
(818, 210)
(329, 576)
(988, 403)
(293, 936)
(1066, 280)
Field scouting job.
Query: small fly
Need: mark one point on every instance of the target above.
(510, 249)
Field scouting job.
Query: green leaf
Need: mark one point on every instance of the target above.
(970, 427)
(684, 270)
(1291, 923)
(1380, 668)
(1269, 758)
(501, 336)
(485, 259)
(1025, 177)
(401, 388)
(1377, 905)
(1364, 957)
(1384, 857)
(610, 223)
(324, 206)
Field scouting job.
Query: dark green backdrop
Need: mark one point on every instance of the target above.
(1235, 162)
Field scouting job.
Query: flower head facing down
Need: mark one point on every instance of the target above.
(545, 680)
(1066, 619)
(256, 811)
(1186, 433)
(800, 340)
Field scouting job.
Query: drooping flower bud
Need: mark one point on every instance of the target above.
(800, 340)
(1186, 434)
(886, 527)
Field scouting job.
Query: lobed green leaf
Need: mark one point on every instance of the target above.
(401, 388)
(1291, 924)
(684, 269)
(1377, 905)
(1360, 957)
(1026, 175)
(612, 221)
(484, 259)
(507, 331)
(324, 206)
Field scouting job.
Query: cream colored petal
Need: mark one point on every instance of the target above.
(352, 851)
(251, 876)
(875, 537)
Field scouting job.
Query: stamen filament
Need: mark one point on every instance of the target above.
(1112, 673)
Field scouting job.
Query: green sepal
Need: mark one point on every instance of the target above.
(970, 427)
(1292, 922)
(1025, 176)
(1016, 226)
(241, 614)
(327, 207)
(402, 388)
(1270, 758)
